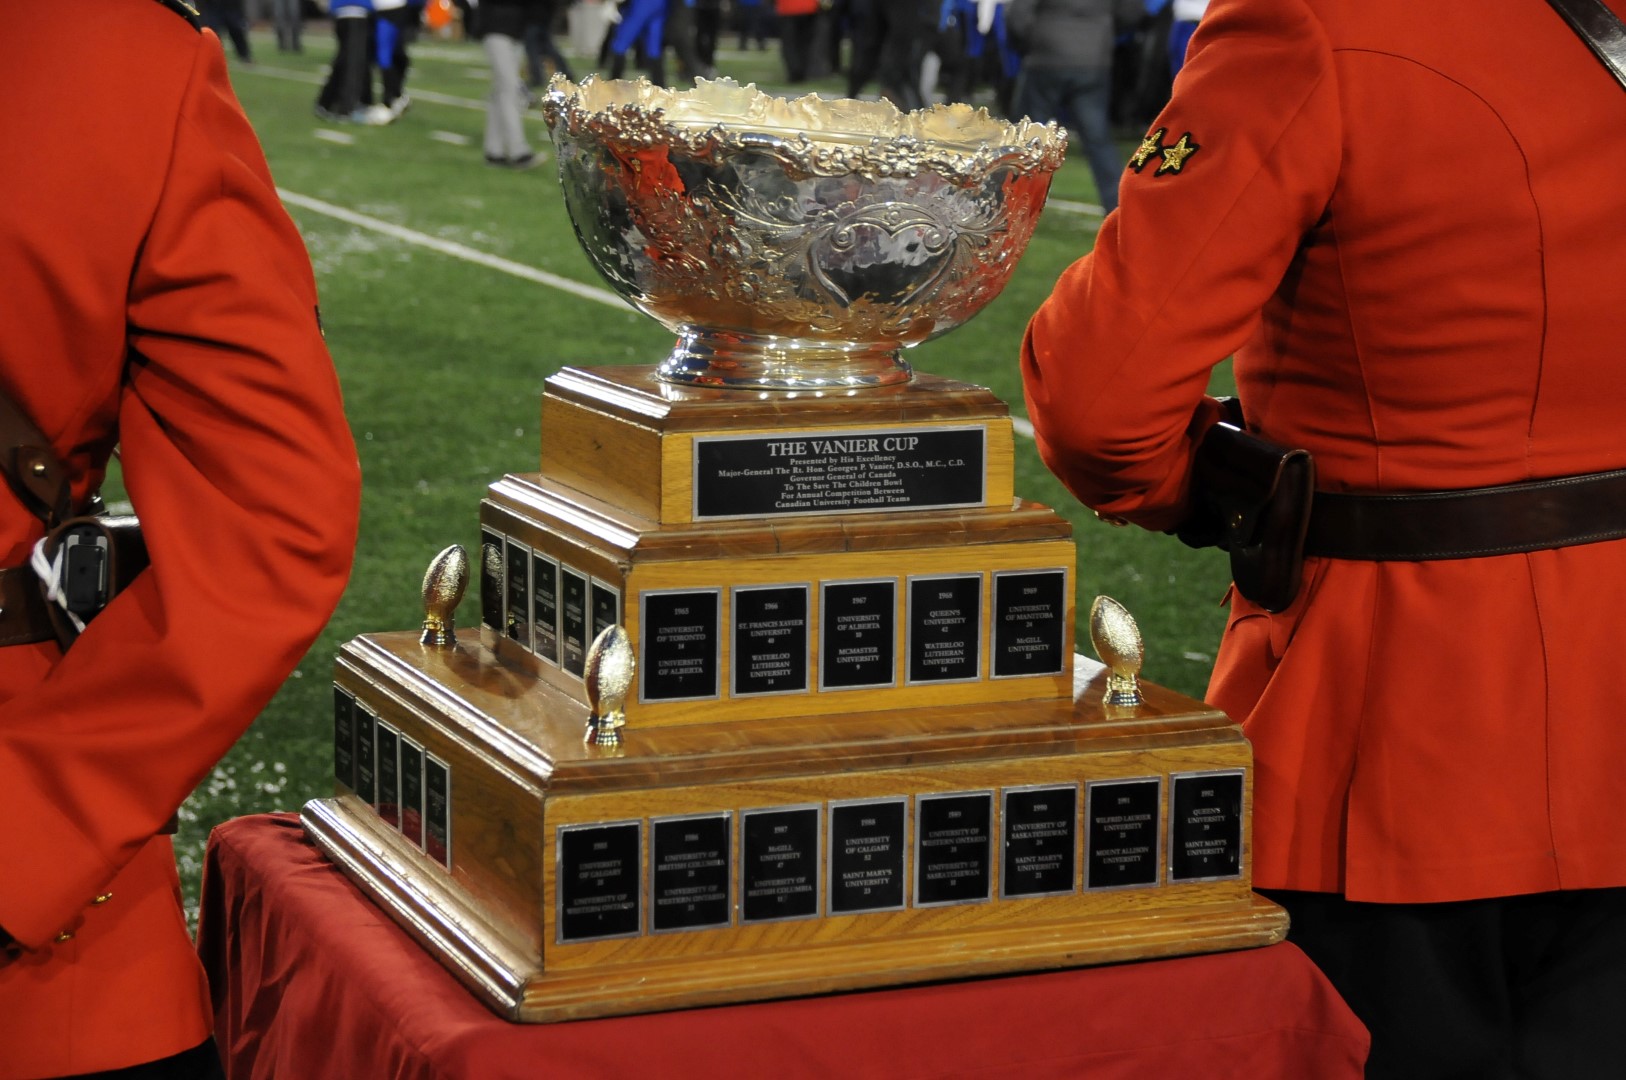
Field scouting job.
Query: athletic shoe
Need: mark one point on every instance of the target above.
(373, 115)
(519, 164)
(399, 106)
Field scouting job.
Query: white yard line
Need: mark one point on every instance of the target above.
(1077, 207)
(455, 250)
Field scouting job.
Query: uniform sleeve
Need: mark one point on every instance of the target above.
(240, 463)
(1237, 168)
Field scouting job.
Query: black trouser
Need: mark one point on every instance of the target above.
(1518, 986)
(349, 82)
(199, 1063)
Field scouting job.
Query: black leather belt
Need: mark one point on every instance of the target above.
(1471, 523)
(23, 614)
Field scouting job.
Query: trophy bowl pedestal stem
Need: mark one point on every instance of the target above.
(705, 357)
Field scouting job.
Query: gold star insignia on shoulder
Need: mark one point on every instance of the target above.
(1148, 149)
(1174, 157)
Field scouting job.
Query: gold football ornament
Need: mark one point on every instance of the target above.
(1118, 643)
(608, 674)
(443, 585)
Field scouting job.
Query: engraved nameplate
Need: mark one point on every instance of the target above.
(953, 848)
(517, 592)
(344, 738)
(858, 634)
(1041, 834)
(1121, 833)
(387, 766)
(412, 791)
(545, 608)
(679, 637)
(437, 810)
(945, 628)
(573, 616)
(1029, 623)
(867, 845)
(822, 472)
(598, 880)
(689, 872)
(779, 863)
(366, 732)
(1205, 825)
(770, 654)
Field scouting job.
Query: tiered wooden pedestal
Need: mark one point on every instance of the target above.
(860, 750)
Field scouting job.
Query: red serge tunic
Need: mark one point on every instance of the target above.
(137, 218)
(1408, 223)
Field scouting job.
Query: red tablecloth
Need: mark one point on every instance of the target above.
(311, 982)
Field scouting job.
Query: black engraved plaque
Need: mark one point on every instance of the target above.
(517, 609)
(945, 628)
(858, 634)
(412, 791)
(344, 738)
(366, 777)
(779, 863)
(867, 844)
(598, 876)
(1120, 833)
(573, 617)
(492, 600)
(388, 767)
(606, 607)
(845, 473)
(953, 848)
(1205, 826)
(437, 810)
(1040, 826)
(679, 638)
(770, 640)
(689, 872)
(1029, 622)
(545, 608)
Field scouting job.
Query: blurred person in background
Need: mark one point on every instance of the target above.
(889, 43)
(984, 51)
(395, 24)
(289, 20)
(798, 22)
(642, 27)
(157, 299)
(502, 26)
(228, 18)
(708, 28)
(1187, 13)
(755, 17)
(1066, 74)
(347, 94)
(541, 49)
(679, 34)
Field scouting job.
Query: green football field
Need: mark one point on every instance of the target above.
(447, 298)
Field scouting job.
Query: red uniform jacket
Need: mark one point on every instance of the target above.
(1408, 223)
(152, 293)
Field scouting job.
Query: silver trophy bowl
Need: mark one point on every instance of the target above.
(795, 244)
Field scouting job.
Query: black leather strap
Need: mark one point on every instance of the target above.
(24, 616)
(1468, 524)
(1601, 29)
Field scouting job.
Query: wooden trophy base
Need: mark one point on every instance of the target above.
(707, 863)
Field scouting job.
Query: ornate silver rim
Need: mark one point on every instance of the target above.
(867, 138)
